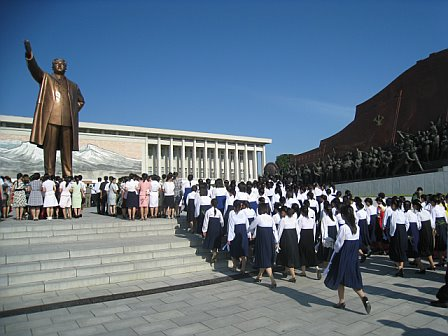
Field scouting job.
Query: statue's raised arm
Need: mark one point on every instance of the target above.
(35, 70)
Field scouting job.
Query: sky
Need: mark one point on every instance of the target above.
(289, 70)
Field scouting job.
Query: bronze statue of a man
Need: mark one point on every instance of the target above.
(55, 123)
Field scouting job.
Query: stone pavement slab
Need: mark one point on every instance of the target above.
(241, 307)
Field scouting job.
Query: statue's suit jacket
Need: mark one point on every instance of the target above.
(45, 102)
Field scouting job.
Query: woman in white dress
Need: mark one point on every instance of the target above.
(112, 197)
(50, 201)
(65, 202)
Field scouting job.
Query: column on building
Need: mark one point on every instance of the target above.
(246, 164)
(159, 157)
(145, 161)
(171, 156)
(205, 157)
(255, 162)
(217, 167)
(183, 174)
(194, 160)
(263, 158)
(226, 162)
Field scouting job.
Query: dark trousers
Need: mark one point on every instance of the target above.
(96, 202)
(103, 202)
(58, 137)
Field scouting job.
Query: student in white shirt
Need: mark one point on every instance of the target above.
(439, 217)
(202, 203)
(237, 236)
(343, 270)
(265, 243)
(288, 232)
(132, 201)
(398, 236)
(307, 236)
(212, 229)
(330, 229)
(154, 190)
(189, 203)
(426, 237)
(168, 198)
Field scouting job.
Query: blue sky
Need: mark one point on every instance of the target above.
(292, 71)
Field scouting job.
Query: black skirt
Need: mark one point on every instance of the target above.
(190, 210)
(289, 249)
(168, 201)
(372, 228)
(213, 238)
(201, 216)
(413, 240)
(307, 254)
(441, 234)
(239, 247)
(399, 244)
(426, 241)
(327, 251)
(132, 201)
(364, 237)
(264, 248)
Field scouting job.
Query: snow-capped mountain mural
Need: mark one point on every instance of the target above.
(90, 161)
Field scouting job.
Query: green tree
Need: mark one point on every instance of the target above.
(284, 161)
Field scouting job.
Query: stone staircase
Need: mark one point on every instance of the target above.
(45, 256)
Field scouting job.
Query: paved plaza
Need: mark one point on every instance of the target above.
(241, 307)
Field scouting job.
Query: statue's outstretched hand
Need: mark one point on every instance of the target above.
(28, 51)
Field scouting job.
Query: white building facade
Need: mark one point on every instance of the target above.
(203, 155)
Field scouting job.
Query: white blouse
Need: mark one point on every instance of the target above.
(326, 223)
(345, 234)
(236, 219)
(210, 213)
(438, 212)
(412, 217)
(264, 221)
(288, 223)
(424, 216)
(201, 200)
(397, 217)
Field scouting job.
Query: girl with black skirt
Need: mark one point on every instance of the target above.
(426, 237)
(364, 237)
(399, 227)
(413, 236)
(343, 269)
(265, 243)
(307, 236)
(189, 202)
(212, 229)
(202, 203)
(330, 230)
(237, 237)
(289, 244)
(439, 217)
(371, 218)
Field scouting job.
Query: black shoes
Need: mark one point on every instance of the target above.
(319, 274)
(400, 273)
(422, 271)
(439, 304)
(257, 280)
(339, 305)
(363, 258)
(366, 303)
(293, 280)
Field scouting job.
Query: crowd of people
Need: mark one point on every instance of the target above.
(267, 222)
(38, 197)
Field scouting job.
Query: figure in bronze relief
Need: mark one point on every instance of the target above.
(55, 123)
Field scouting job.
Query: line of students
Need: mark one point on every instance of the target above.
(294, 229)
(283, 236)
